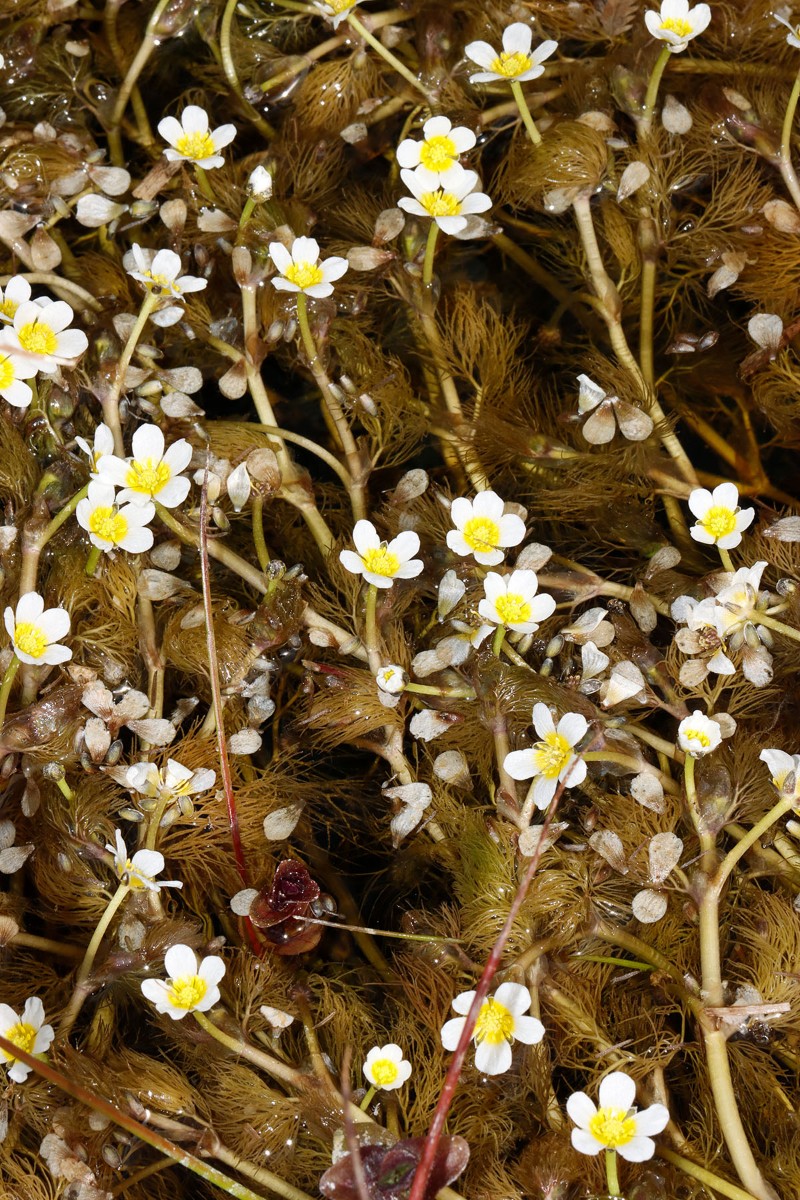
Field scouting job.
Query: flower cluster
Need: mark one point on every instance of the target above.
(118, 520)
(35, 336)
(441, 188)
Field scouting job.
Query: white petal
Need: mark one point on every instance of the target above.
(652, 1119)
(493, 1060)
(585, 1142)
(148, 442)
(405, 545)
(451, 1032)
(725, 495)
(29, 608)
(573, 727)
(365, 537)
(305, 250)
(481, 53)
(700, 501)
(280, 256)
(529, 1030)
(514, 997)
(463, 1002)
(180, 960)
(194, 119)
(543, 720)
(637, 1150)
(520, 764)
(487, 504)
(517, 38)
(543, 791)
(212, 969)
(617, 1090)
(581, 1109)
(461, 510)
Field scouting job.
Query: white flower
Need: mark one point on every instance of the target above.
(151, 473)
(335, 10)
(616, 1124)
(14, 370)
(192, 987)
(112, 528)
(160, 272)
(36, 631)
(481, 528)
(42, 335)
(500, 1022)
(676, 23)
(392, 679)
(382, 562)
(793, 38)
(698, 735)
(552, 760)
(784, 769)
(141, 870)
(28, 1032)
(16, 292)
(440, 147)
(514, 61)
(259, 184)
(301, 270)
(386, 1068)
(449, 198)
(174, 781)
(737, 602)
(511, 600)
(190, 140)
(720, 521)
(103, 444)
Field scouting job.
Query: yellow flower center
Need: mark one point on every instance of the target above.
(8, 308)
(481, 534)
(187, 991)
(695, 735)
(438, 153)
(23, 1035)
(148, 477)
(510, 65)
(512, 609)
(304, 274)
(719, 521)
(678, 25)
(30, 640)
(156, 282)
(133, 877)
(381, 561)
(552, 754)
(495, 1023)
(196, 145)
(37, 338)
(7, 373)
(340, 6)
(108, 524)
(384, 1071)
(613, 1127)
(440, 203)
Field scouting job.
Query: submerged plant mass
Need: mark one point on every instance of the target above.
(400, 568)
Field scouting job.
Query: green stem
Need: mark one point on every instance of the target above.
(498, 639)
(725, 559)
(203, 184)
(427, 689)
(110, 403)
(371, 640)
(771, 623)
(634, 764)
(314, 448)
(364, 1105)
(92, 560)
(231, 74)
(386, 55)
(646, 120)
(612, 1178)
(223, 553)
(148, 44)
(711, 1181)
(80, 992)
(788, 121)
(430, 251)
(5, 687)
(242, 1049)
(267, 1179)
(259, 542)
(525, 112)
(784, 805)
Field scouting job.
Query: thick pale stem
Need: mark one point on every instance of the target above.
(788, 121)
(725, 559)
(259, 1058)
(110, 403)
(385, 54)
(148, 44)
(525, 112)
(612, 1178)
(229, 67)
(430, 253)
(646, 120)
(5, 687)
(80, 993)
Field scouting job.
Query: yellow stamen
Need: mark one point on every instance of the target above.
(613, 1127)
(108, 524)
(678, 25)
(30, 639)
(187, 991)
(384, 1070)
(37, 338)
(512, 609)
(510, 65)
(22, 1035)
(381, 561)
(8, 308)
(440, 203)
(694, 735)
(148, 477)
(195, 146)
(552, 754)
(7, 373)
(481, 534)
(438, 153)
(719, 521)
(495, 1023)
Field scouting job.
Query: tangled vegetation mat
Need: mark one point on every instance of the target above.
(399, 569)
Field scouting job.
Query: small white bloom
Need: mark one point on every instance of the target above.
(720, 520)
(382, 562)
(385, 1067)
(500, 1022)
(392, 679)
(103, 444)
(174, 781)
(448, 198)
(515, 61)
(301, 270)
(482, 528)
(616, 1124)
(28, 1032)
(36, 631)
(151, 473)
(40, 334)
(553, 759)
(793, 37)
(192, 987)
(191, 141)
(737, 602)
(677, 23)
(784, 769)
(112, 528)
(698, 735)
(511, 600)
(440, 148)
(14, 370)
(160, 272)
(17, 291)
(141, 870)
(336, 10)
(259, 184)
